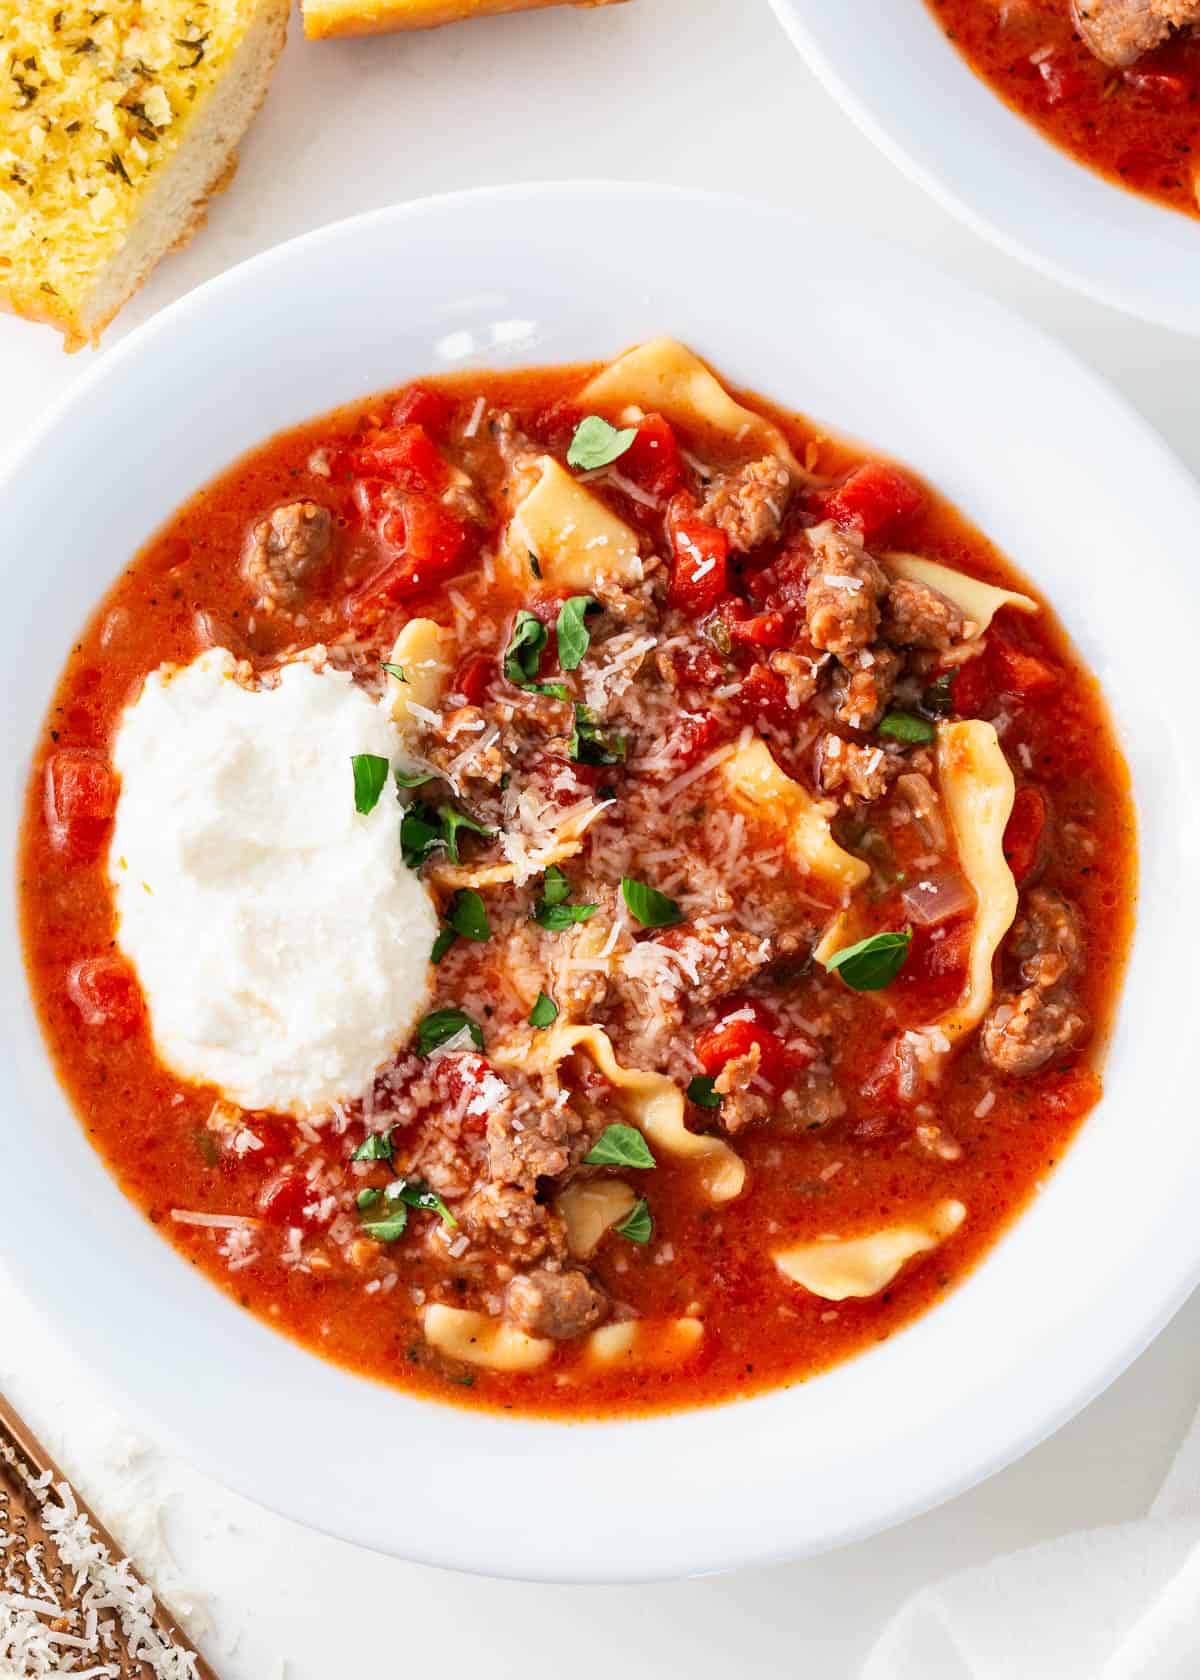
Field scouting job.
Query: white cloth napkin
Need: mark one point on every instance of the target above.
(1120, 1603)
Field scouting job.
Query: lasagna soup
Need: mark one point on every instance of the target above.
(574, 891)
(1114, 82)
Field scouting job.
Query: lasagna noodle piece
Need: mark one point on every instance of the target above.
(556, 847)
(325, 18)
(645, 1341)
(573, 536)
(754, 781)
(126, 121)
(858, 1267)
(590, 1208)
(478, 1340)
(978, 602)
(423, 651)
(978, 792)
(653, 1102)
(664, 377)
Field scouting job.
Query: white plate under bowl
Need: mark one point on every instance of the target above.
(889, 64)
(1048, 460)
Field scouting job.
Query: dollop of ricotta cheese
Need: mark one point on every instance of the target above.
(281, 942)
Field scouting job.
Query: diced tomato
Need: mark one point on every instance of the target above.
(81, 796)
(1062, 80)
(284, 1197)
(876, 497)
(400, 455)
(431, 544)
(692, 734)
(727, 1040)
(1069, 1095)
(274, 1140)
(701, 556)
(697, 666)
(763, 630)
(972, 691)
(474, 677)
(652, 459)
(106, 994)
(556, 426)
(764, 695)
(468, 1082)
(1023, 835)
(419, 405)
(1160, 87)
(935, 970)
(1017, 672)
(562, 782)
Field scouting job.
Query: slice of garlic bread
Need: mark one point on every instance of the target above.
(117, 121)
(324, 18)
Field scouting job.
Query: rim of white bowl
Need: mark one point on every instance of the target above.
(1000, 1425)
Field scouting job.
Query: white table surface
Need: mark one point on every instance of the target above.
(700, 93)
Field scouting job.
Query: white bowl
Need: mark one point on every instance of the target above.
(891, 67)
(1071, 483)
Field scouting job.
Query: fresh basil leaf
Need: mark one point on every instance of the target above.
(571, 631)
(591, 742)
(556, 889)
(648, 906)
(413, 778)
(420, 833)
(367, 1199)
(454, 819)
(444, 1024)
(370, 774)
(389, 1229)
(376, 1146)
(597, 444)
(544, 1012)
(872, 963)
(524, 653)
(555, 917)
(638, 1224)
(396, 671)
(703, 1092)
(619, 1146)
(938, 698)
(442, 944)
(415, 1193)
(907, 727)
(468, 915)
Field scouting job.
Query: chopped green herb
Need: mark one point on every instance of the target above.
(442, 944)
(597, 444)
(591, 742)
(367, 1199)
(534, 563)
(648, 906)
(938, 698)
(703, 1092)
(376, 1146)
(619, 1146)
(544, 1012)
(420, 833)
(413, 778)
(415, 1193)
(523, 657)
(389, 1229)
(452, 820)
(370, 774)
(571, 631)
(396, 671)
(907, 727)
(552, 911)
(638, 1225)
(872, 963)
(443, 1025)
(556, 889)
(467, 915)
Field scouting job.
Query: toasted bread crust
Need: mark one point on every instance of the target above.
(378, 17)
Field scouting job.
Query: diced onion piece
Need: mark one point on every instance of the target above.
(755, 781)
(651, 1101)
(937, 900)
(857, 1267)
(664, 377)
(645, 1341)
(574, 537)
(479, 1340)
(978, 602)
(590, 1209)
